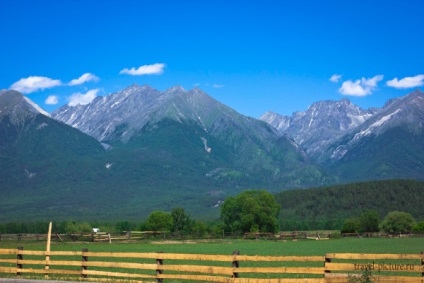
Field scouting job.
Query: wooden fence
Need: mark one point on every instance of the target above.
(235, 268)
(139, 235)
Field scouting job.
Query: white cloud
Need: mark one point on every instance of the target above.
(87, 77)
(52, 100)
(335, 78)
(360, 87)
(407, 82)
(34, 83)
(155, 69)
(82, 98)
(217, 85)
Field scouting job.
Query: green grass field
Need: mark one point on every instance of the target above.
(246, 247)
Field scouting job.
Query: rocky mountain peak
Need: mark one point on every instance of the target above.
(405, 112)
(18, 106)
(174, 90)
(321, 124)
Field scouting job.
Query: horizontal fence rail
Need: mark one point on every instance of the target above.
(149, 235)
(234, 268)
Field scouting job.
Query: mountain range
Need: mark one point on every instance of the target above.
(128, 153)
(357, 144)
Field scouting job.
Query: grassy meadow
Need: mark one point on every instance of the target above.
(246, 247)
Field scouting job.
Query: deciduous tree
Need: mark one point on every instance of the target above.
(158, 221)
(181, 222)
(250, 211)
(397, 222)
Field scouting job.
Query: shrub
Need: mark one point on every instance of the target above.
(397, 222)
(419, 228)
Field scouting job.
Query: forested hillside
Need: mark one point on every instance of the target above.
(328, 207)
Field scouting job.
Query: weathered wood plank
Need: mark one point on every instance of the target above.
(241, 280)
(49, 262)
(373, 256)
(342, 277)
(7, 269)
(49, 271)
(198, 268)
(282, 270)
(128, 265)
(8, 260)
(280, 258)
(51, 253)
(195, 277)
(8, 251)
(117, 274)
(386, 267)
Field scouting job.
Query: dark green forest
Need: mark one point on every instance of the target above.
(308, 209)
(329, 207)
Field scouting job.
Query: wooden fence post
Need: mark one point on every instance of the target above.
(84, 260)
(327, 260)
(235, 263)
(49, 238)
(159, 261)
(19, 257)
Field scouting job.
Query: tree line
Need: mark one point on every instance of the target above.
(250, 211)
(327, 208)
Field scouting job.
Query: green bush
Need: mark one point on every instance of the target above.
(419, 228)
(397, 222)
(350, 226)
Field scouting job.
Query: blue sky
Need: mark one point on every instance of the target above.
(254, 56)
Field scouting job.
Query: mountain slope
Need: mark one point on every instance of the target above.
(104, 115)
(388, 145)
(320, 125)
(248, 148)
(39, 157)
(183, 148)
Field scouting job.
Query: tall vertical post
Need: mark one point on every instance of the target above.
(159, 271)
(235, 264)
(19, 257)
(83, 265)
(49, 236)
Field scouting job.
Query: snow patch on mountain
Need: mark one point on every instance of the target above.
(42, 125)
(36, 107)
(205, 143)
(376, 124)
(320, 125)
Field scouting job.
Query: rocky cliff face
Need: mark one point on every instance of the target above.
(320, 125)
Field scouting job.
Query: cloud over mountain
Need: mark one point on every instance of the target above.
(407, 82)
(52, 100)
(360, 87)
(34, 83)
(87, 77)
(82, 98)
(154, 69)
